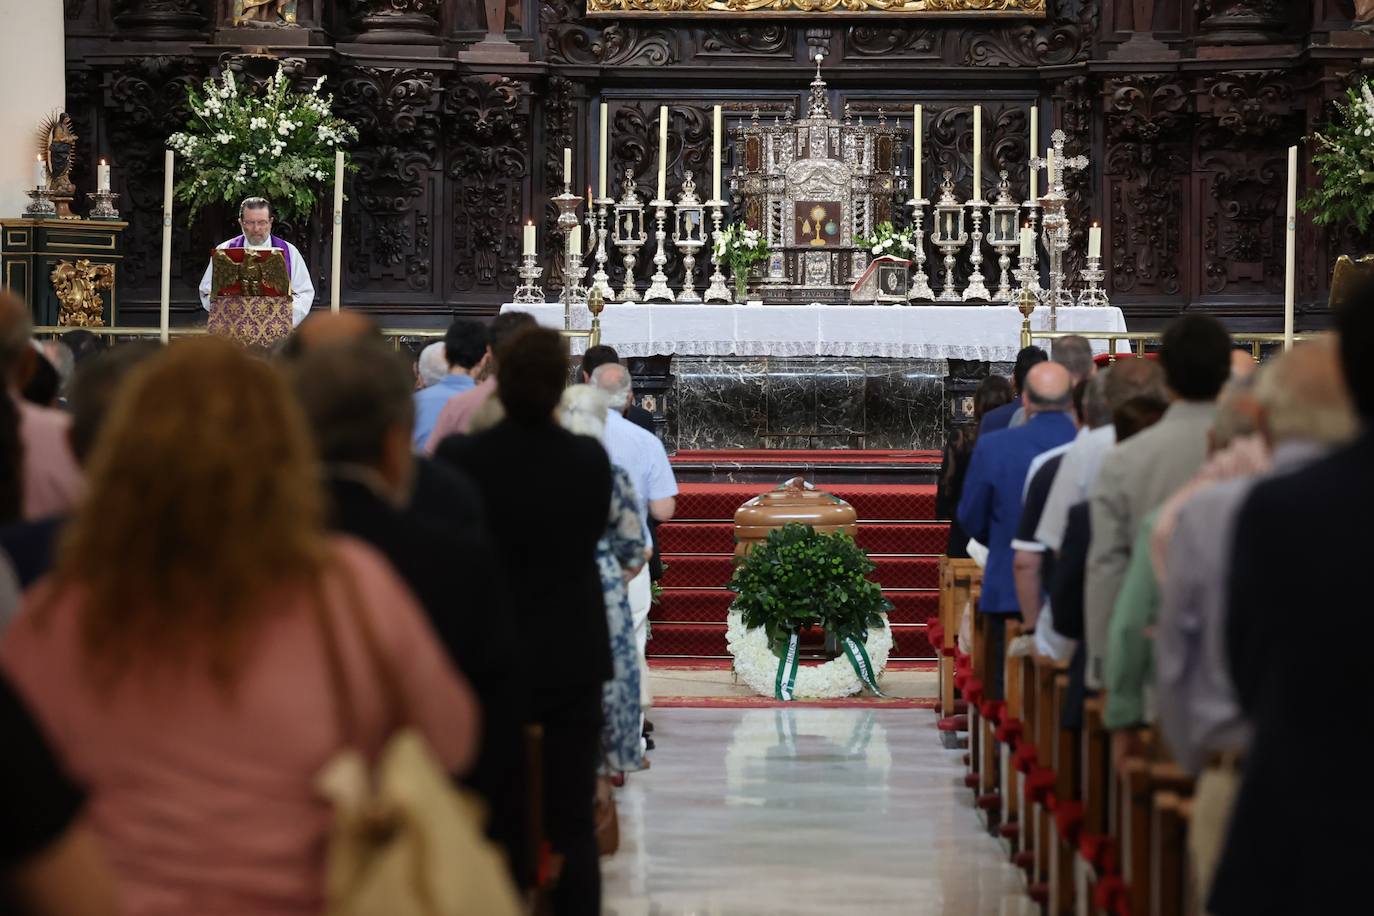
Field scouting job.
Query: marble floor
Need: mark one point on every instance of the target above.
(754, 812)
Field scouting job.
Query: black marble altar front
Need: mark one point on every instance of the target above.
(806, 403)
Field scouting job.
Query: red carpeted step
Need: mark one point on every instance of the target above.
(875, 537)
(704, 571)
(710, 605)
(809, 456)
(707, 640)
(873, 502)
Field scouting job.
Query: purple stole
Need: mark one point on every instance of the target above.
(279, 244)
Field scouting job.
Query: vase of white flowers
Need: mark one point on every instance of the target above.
(741, 248)
(887, 240)
(275, 143)
(1344, 157)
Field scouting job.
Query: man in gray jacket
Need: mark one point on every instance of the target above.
(1142, 472)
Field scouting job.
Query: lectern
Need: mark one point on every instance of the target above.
(250, 299)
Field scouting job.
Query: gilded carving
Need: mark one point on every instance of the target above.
(78, 285)
(736, 8)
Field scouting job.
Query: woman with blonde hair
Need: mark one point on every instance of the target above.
(179, 655)
(620, 554)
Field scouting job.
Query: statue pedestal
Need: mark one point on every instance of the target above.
(495, 48)
(269, 36)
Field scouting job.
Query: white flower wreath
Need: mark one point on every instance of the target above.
(757, 666)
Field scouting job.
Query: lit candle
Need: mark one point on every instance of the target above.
(977, 152)
(529, 237)
(40, 174)
(102, 177)
(166, 311)
(662, 152)
(567, 165)
(575, 241)
(1290, 274)
(1095, 241)
(601, 170)
(715, 154)
(917, 128)
(589, 198)
(1035, 145)
(336, 251)
(1027, 242)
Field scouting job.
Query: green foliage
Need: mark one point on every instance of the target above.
(886, 240)
(279, 144)
(1344, 157)
(801, 577)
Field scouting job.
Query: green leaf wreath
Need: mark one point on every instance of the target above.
(1344, 156)
(239, 143)
(803, 577)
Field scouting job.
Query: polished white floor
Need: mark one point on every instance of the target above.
(754, 812)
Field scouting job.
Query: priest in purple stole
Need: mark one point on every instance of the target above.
(255, 218)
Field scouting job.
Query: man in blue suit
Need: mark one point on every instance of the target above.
(1000, 418)
(991, 505)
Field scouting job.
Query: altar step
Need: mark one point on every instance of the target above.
(896, 526)
(823, 467)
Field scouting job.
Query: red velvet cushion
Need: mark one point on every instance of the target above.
(953, 724)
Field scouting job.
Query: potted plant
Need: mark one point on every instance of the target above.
(741, 248)
(802, 578)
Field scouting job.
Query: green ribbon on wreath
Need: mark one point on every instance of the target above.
(786, 680)
(863, 665)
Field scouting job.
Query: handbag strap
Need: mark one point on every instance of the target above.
(346, 714)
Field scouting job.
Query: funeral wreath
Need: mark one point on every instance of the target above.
(802, 577)
(275, 143)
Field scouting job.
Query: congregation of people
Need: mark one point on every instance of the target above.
(1178, 534)
(220, 569)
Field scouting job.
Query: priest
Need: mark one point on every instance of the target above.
(255, 218)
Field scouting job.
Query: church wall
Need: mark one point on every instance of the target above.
(1184, 109)
(31, 88)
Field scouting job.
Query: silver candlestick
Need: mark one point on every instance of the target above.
(688, 235)
(103, 208)
(529, 290)
(1004, 234)
(572, 292)
(977, 285)
(1092, 293)
(42, 206)
(629, 234)
(658, 283)
(920, 283)
(948, 235)
(1027, 276)
(717, 291)
(600, 279)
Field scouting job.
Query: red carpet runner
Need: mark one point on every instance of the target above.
(897, 527)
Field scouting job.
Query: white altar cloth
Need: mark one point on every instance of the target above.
(978, 332)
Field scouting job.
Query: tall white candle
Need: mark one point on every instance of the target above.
(977, 152)
(662, 152)
(529, 237)
(40, 173)
(601, 170)
(917, 129)
(575, 240)
(1095, 241)
(102, 177)
(336, 243)
(1027, 241)
(1291, 273)
(166, 310)
(715, 153)
(1034, 147)
(567, 164)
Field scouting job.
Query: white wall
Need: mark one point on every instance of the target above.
(32, 86)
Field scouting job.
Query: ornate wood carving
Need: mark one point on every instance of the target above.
(1073, 102)
(1235, 22)
(391, 227)
(1065, 38)
(159, 18)
(396, 21)
(1146, 122)
(487, 130)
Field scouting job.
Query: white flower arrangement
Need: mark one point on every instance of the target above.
(757, 666)
(277, 143)
(886, 240)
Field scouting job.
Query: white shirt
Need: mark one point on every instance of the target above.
(302, 290)
(643, 457)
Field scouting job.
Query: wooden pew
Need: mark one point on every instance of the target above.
(1169, 894)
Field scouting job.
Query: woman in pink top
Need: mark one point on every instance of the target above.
(175, 657)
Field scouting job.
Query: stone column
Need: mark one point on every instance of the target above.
(32, 86)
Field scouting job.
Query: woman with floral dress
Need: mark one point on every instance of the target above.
(620, 555)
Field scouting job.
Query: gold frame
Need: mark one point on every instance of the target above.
(775, 9)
